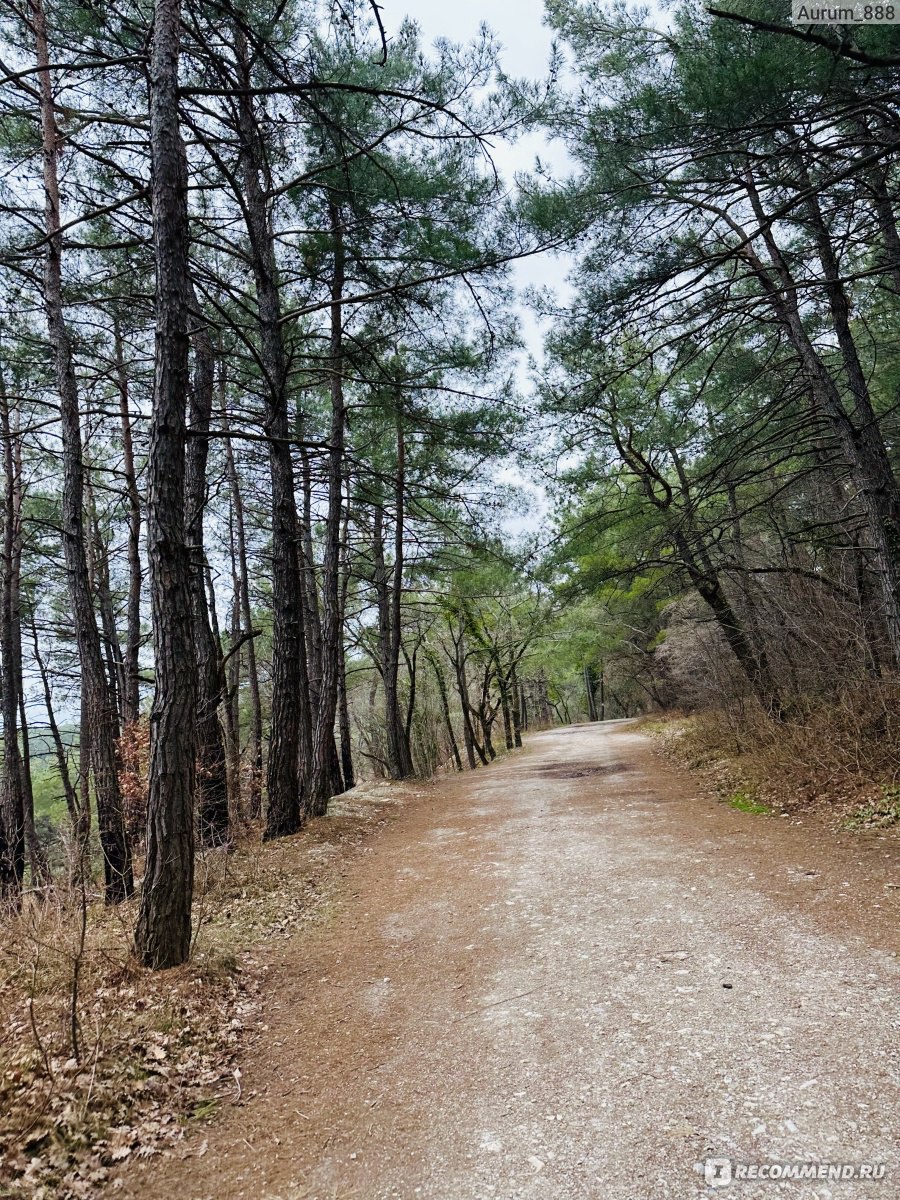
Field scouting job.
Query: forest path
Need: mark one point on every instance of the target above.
(564, 977)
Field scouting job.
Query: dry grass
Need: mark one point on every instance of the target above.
(840, 758)
(100, 1059)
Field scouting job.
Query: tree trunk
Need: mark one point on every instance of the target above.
(462, 687)
(233, 677)
(543, 701)
(346, 741)
(753, 661)
(412, 675)
(131, 694)
(347, 771)
(486, 720)
(81, 868)
(517, 713)
(12, 868)
(312, 618)
(99, 711)
(211, 803)
(321, 775)
(37, 854)
(41, 876)
(163, 934)
(445, 709)
(589, 686)
(389, 594)
(388, 667)
(98, 568)
(402, 738)
(254, 744)
(62, 761)
(291, 724)
(887, 224)
(503, 685)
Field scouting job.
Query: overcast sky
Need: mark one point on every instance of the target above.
(518, 24)
(525, 40)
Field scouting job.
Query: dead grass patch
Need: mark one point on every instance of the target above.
(100, 1059)
(840, 759)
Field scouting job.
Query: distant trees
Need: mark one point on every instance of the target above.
(727, 368)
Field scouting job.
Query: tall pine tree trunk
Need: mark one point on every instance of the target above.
(12, 800)
(254, 743)
(401, 730)
(212, 765)
(290, 741)
(163, 933)
(37, 854)
(231, 707)
(131, 695)
(99, 712)
(388, 584)
(346, 742)
(321, 781)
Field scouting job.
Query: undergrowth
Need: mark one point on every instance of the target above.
(100, 1059)
(841, 758)
(744, 803)
(880, 814)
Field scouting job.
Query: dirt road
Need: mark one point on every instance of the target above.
(569, 977)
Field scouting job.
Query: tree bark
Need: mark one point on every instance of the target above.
(163, 933)
(254, 744)
(402, 732)
(502, 684)
(291, 725)
(100, 715)
(445, 709)
(589, 685)
(233, 678)
(37, 854)
(388, 583)
(12, 868)
(346, 741)
(98, 569)
(211, 802)
(62, 761)
(517, 706)
(462, 687)
(322, 775)
(312, 618)
(131, 694)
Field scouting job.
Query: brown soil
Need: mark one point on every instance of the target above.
(568, 977)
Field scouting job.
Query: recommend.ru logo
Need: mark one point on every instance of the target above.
(720, 1172)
